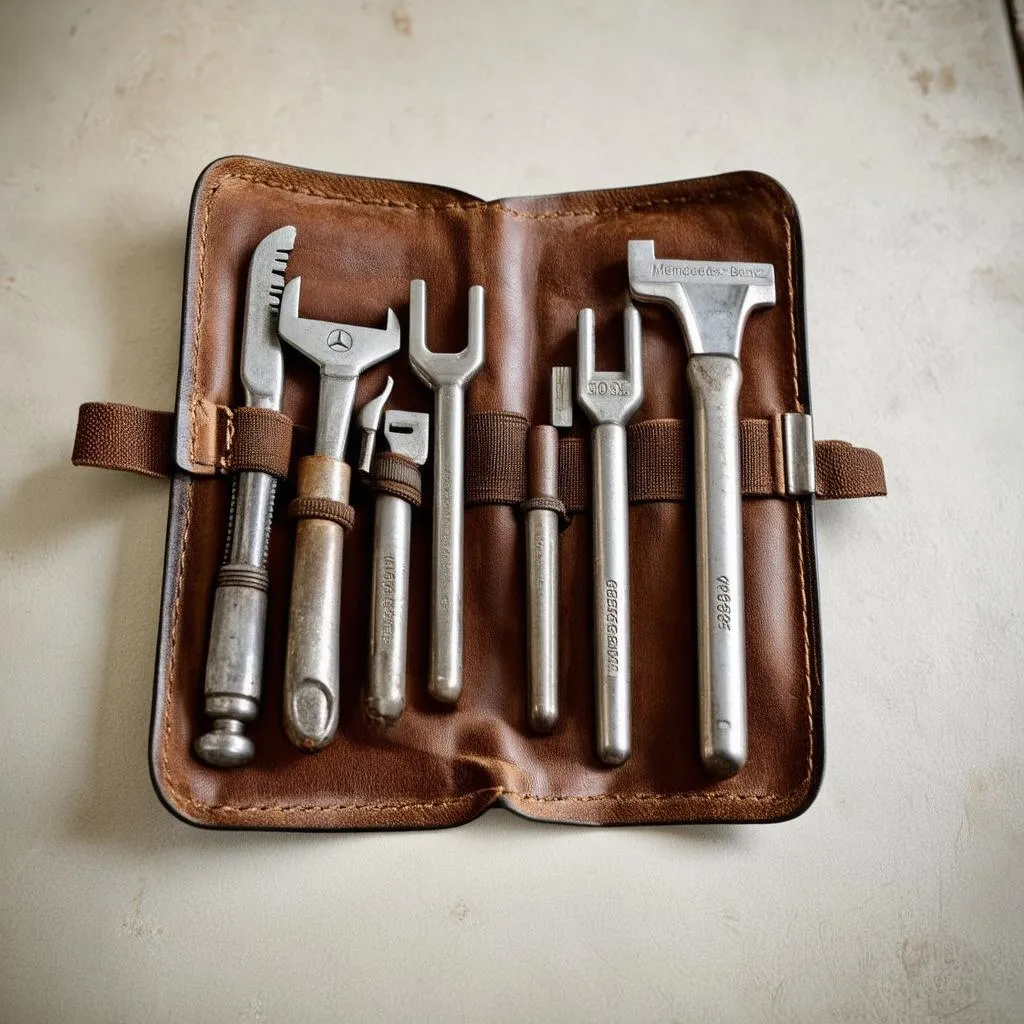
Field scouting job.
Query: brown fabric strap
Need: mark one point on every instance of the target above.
(495, 458)
(843, 471)
(258, 440)
(658, 463)
(124, 437)
(398, 475)
(323, 508)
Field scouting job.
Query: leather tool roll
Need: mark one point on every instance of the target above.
(541, 259)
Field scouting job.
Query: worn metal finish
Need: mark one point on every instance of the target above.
(542, 583)
(313, 655)
(610, 400)
(405, 433)
(448, 374)
(312, 664)
(234, 664)
(369, 423)
(798, 452)
(712, 301)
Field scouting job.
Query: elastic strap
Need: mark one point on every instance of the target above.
(399, 476)
(323, 508)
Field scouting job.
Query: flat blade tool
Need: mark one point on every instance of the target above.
(542, 558)
(312, 658)
(611, 399)
(711, 301)
(405, 438)
(234, 664)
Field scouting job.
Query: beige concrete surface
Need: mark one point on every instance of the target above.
(898, 126)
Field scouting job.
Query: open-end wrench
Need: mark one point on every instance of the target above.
(312, 659)
(234, 665)
(711, 301)
(405, 434)
(542, 559)
(447, 373)
(610, 399)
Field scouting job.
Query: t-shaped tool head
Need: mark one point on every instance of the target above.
(710, 300)
(342, 352)
(436, 369)
(614, 396)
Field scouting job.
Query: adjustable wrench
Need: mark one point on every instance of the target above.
(711, 301)
(610, 400)
(234, 665)
(406, 434)
(311, 675)
(542, 559)
(447, 373)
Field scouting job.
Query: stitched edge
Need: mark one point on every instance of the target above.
(801, 788)
(784, 798)
(193, 402)
(474, 204)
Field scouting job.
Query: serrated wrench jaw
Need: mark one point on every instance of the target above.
(262, 365)
(340, 350)
(436, 369)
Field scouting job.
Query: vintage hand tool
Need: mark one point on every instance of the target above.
(406, 437)
(610, 399)
(311, 675)
(711, 301)
(542, 558)
(447, 373)
(234, 665)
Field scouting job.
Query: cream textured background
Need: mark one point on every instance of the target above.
(897, 125)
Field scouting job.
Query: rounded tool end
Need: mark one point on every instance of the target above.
(225, 746)
(386, 708)
(723, 759)
(445, 689)
(614, 754)
(543, 719)
(312, 719)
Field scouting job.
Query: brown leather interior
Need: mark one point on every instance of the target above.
(541, 259)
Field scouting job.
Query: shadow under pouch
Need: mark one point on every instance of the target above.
(603, 618)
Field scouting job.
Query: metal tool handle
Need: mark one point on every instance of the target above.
(542, 617)
(446, 600)
(234, 663)
(311, 675)
(611, 593)
(722, 676)
(389, 608)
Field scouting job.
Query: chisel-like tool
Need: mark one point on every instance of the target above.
(711, 301)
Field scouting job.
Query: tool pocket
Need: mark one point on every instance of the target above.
(439, 757)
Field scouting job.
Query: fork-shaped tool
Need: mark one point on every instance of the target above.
(610, 400)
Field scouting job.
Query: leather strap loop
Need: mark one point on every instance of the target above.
(125, 437)
(323, 508)
(399, 476)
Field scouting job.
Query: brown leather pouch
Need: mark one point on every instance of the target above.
(541, 259)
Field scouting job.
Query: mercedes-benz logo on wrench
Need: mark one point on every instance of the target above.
(339, 340)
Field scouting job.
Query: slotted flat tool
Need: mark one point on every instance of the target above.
(711, 301)
(542, 559)
(312, 658)
(234, 665)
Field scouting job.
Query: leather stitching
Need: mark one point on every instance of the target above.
(690, 795)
